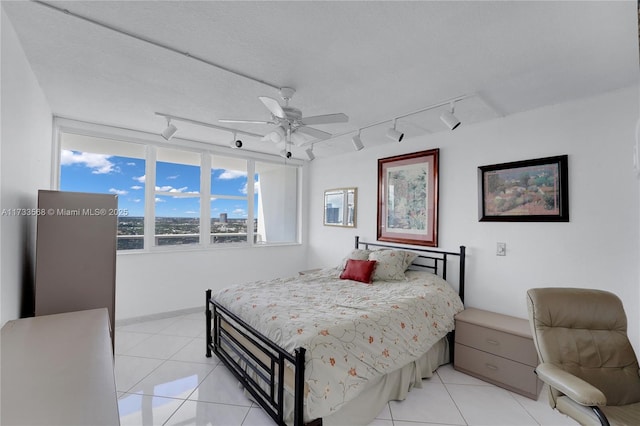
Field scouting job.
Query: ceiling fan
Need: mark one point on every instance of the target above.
(290, 122)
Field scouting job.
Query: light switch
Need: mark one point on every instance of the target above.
(501, 249)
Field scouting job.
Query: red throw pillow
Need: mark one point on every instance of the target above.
(359, 270)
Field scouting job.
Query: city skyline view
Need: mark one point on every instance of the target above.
(125, 177)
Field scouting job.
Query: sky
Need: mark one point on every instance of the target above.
(125, 177)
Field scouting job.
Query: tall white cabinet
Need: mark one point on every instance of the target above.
(76, 253)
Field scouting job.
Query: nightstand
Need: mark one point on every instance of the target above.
(498, 349)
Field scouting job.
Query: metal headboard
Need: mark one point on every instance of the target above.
(431, 259)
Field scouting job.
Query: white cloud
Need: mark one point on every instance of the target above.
(136, 187)
(169, 188)
(239, 212)
(173, 177)
(256, 187)
(160, 200)
(118, 191)
(140, 179)
(191, 212)
(131, 163)
(136, 200)
(232, 174)
(98, 163)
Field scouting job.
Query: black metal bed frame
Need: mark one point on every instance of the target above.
(228, 337)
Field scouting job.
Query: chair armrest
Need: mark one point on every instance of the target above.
(574, 387)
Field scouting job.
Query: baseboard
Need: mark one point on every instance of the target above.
(161, 315)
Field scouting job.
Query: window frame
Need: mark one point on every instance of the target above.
(152, 142)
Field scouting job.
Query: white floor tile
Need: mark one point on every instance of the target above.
(431, 404)
(143, 410)
(206, 413)
(450, 375)
(257, 417)
(173, 379)
(159, 346)
(542, 412)
(222, 387)
(195, 351)
(154, 326)
(485, 405)
(130, 370)
(126, 340)
(381, 422)
(184, 327)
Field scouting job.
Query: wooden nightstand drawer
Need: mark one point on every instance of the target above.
(503, 372)
(496, 342)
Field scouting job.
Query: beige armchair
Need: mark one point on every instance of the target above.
(586, 357)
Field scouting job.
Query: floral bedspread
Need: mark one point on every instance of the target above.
(352, 332)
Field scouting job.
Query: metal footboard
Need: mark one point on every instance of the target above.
(255, 361)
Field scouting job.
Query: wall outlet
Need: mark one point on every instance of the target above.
(501, 249)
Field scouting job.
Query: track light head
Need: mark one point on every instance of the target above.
(171, 130)
(450, 120)
(285, 154)
(235, 143)
(393, 134)
(357, 142)
(310, 155)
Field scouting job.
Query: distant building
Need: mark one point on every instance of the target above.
(223, 218)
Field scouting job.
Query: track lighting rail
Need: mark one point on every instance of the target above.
(213, 126)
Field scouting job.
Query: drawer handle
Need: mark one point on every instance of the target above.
(493, 342)
(491, 367)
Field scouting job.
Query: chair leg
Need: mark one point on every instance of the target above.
(600, 415)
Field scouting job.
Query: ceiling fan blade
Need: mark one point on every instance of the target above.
(231, 120)
(325, 119)
(318, 134)
(298, 139)
(273, 106)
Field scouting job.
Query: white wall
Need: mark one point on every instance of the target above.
(598, 248)
(25, 168)
(152, 283)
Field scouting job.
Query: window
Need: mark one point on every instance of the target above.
(177, 197)
(98, 165)
(185, 196)
(230, 200)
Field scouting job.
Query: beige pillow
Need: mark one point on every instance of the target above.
(356, 254)
(391, 265)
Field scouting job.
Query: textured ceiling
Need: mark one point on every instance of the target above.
(370, 60)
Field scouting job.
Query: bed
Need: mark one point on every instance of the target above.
(321, 349)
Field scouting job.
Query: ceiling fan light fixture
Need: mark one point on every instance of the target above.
(394, 134)
(450, 120)
(171, 130)
(277, 135)
(357, 142)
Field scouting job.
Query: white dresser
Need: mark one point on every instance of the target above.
(58, 370)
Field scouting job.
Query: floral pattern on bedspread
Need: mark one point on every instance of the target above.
(353, 333)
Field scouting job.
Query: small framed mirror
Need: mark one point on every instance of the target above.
(340, 207)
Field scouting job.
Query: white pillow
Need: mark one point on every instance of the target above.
(390, 266)
(357, 254)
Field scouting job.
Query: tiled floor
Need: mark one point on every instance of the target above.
(163, 378)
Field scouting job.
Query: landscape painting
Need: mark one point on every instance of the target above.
(530, 190)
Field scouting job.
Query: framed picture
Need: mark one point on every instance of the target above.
(524, 191)
(340, 207)
(408, 198)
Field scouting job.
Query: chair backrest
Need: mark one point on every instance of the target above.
(584, 332)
